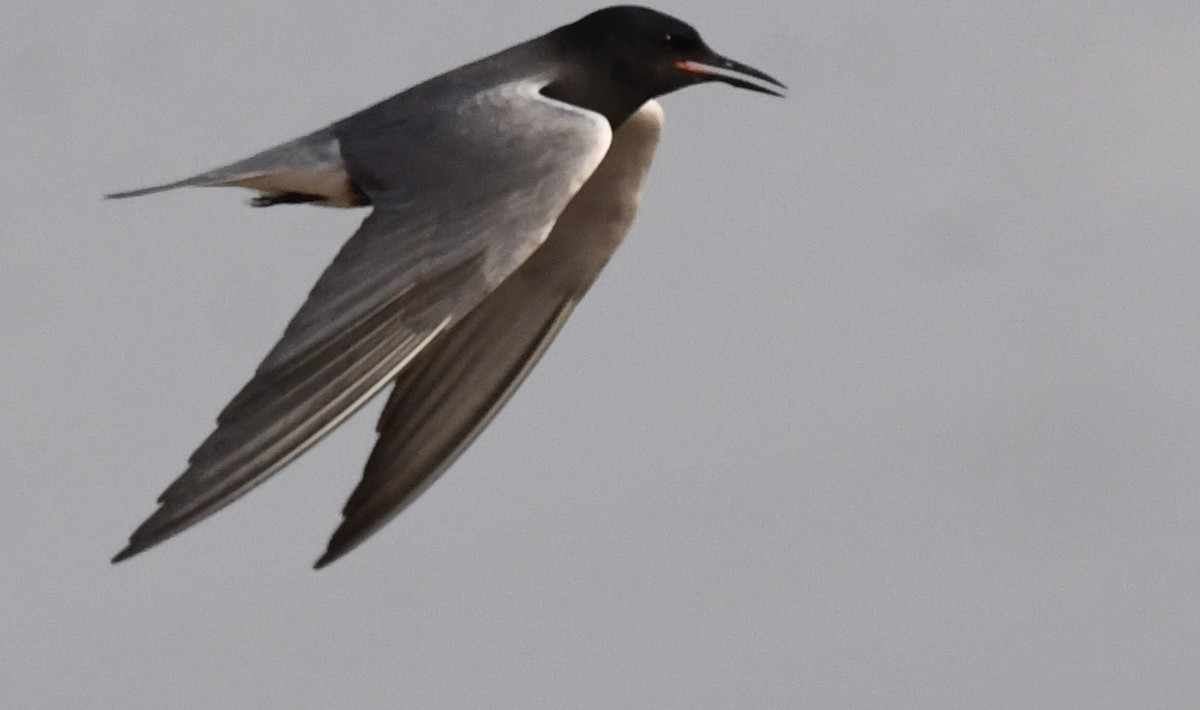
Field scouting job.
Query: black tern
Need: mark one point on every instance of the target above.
(499, 191)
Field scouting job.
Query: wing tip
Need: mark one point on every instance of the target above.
(149, 534)
(331, 555)
(130, 550)
(344, 540)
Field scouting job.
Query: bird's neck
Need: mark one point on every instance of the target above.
(597, 91)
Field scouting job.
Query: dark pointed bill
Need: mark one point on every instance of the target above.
(718, 68)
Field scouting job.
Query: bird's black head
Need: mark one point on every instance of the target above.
(623, 56)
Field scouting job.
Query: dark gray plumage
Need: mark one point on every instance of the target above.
(499, 190)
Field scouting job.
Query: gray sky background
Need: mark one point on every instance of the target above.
(889, 400)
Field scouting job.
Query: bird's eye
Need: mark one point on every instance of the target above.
(667, 39)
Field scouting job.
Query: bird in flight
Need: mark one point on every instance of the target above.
(498, 191)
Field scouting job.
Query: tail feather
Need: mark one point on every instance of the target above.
(308, 169)
(213, 179)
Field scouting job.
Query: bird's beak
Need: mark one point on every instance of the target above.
(717, 68)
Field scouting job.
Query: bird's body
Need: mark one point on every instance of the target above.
(499, 190)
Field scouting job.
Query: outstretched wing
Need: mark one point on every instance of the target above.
(463, 196)
(451, 390)
(445, 399)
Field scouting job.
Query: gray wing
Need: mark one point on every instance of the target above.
(451, 390)
(444, 399)
(418, 263)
